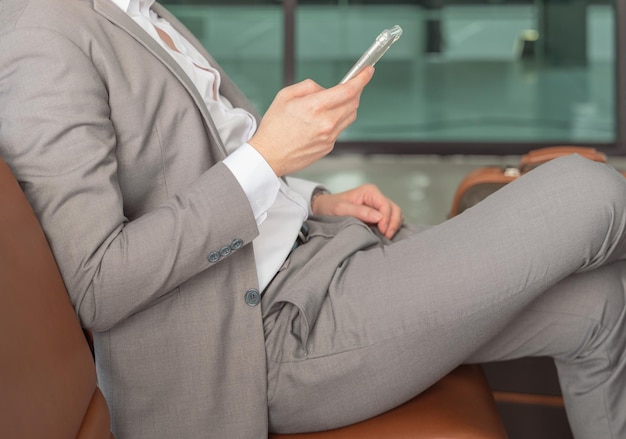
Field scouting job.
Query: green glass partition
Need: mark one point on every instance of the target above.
(464, 73)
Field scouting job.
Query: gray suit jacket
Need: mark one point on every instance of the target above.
(120, 159)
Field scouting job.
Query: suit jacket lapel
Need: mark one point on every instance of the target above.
(227, 87)
(118, 17)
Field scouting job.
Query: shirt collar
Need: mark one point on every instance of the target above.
(122, 4)
(134, 7)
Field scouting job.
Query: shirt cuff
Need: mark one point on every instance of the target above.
(256, 177)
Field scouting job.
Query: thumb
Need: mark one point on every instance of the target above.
(365, 213)
(302, 88)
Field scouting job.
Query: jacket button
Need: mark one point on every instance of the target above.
(225, 251)
(236, 244)
(252, 297)
(214, 257)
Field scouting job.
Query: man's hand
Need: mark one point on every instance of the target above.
(304, 121)
(366, 203)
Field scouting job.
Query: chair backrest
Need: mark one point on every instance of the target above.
(47, 373)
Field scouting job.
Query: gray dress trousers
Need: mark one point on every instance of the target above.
(356, 325)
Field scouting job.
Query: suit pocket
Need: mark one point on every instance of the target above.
(304, 283)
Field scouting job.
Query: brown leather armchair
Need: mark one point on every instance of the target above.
(459, 406)
(47, 374)
(48, 383)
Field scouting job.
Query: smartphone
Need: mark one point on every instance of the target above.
(375, 52)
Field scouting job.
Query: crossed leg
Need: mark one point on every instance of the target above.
(398, 317)
(581, 323)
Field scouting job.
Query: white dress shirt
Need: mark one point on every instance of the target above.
(279, 209)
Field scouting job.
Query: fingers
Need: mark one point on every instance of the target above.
(302, 88)
(336, 108)
(391, 217)
(363, 77)
(364, 213)
(392, 220)
(342, 93)
(347, 90)
(388, 219)
(368, 204)
(365, 203)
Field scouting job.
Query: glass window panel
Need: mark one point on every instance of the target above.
(491, 71)
(525, 71)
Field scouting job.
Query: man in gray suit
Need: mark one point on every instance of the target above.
(226, 301)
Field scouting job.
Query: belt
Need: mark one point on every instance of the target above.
(303, 236)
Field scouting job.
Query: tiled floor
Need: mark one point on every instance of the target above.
(423, 186)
